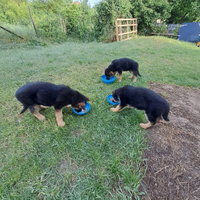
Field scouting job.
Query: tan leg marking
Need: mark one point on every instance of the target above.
(131, 75)
(135, 79)
(38, 115)
(130, 107)
(149, 124)
(68, 106)
(43, 107)
(59, 117)
(146, 116)
(120, 77)
(117, 109)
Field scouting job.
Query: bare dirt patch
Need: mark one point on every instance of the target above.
(174, 155)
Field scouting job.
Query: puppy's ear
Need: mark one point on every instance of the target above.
(111, 73)
(113, 92)
(86, 99)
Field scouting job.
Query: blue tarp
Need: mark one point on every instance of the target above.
(189, 32)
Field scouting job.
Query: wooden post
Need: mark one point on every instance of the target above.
(117, 37)
(60, 22)
(136, 27)
(120, 28)
(127, 28)
(32, 21)
(64, 26)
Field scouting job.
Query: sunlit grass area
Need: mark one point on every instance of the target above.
(95, 156)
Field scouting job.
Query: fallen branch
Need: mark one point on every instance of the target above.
(11, 32)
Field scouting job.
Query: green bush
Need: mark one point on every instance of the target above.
(147, 12)
(49, 27)
(107, 12)
(159, 28)
(79, 21)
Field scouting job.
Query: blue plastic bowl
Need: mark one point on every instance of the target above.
(112, 103)
(112, 79)
(87, 106)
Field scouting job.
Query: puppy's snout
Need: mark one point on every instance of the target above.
(84, 109)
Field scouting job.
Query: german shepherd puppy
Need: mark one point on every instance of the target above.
(123, 64)
(41, 95)
(154, 105)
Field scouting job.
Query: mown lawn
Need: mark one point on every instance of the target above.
(95, 156)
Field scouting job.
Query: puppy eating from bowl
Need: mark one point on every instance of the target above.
(120, 65)
(156, 108)
(41, 95)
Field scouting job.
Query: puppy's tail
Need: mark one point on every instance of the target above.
(165, 115)
(24, 109)
(138, 72)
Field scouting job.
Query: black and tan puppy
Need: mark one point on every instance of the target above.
(154, 105)
(41, 95)
(123, 64)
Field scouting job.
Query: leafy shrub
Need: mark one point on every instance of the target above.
(79, 21)
(50, 28)
(107, 12)
(147, 12)
(159, 28)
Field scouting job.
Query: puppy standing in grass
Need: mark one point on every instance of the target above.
(155, 106)
(123, 64)
(41, 95)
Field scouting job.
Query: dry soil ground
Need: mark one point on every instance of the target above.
(174, 155)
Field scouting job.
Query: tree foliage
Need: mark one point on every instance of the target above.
(12, 11)
(107, 12)
(148, 11)
(184, 11)
(58, 18)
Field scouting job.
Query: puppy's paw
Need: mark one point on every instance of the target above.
(143, 125)
(130, 77)
(148, 125)
(42, 117)
(61, 123)
(130, 107)
(135, 79)
(39, 116)
(113, 109)
(120, 81)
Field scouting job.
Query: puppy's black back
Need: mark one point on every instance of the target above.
(125, 64)
(48, 94)
(144, 99)
(40, 93)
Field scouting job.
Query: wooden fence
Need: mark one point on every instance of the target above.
(125, 28)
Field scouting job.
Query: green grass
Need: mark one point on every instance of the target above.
(95, 156)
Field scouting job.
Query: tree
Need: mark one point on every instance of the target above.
(54, 6)
(148, 11)
(184, 11)
(13, 10)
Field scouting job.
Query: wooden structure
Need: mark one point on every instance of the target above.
(125, 28)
